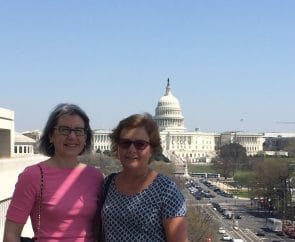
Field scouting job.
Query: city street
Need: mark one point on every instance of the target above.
(246, 221)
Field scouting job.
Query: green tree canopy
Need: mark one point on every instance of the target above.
(231, 157)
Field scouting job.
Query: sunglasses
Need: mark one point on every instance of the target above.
(138, 144)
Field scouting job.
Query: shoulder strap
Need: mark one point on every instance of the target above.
(107, 183)
(40, 201)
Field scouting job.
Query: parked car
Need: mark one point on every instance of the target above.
(280, 233)
(226, 237)
(236, 228)
(260, 233)
(221, 230)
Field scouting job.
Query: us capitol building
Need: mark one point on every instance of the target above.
(179, 143)
(190, 146)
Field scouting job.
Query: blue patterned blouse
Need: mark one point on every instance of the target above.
(139, 217)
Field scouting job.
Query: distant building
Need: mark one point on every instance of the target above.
(101, 141)
(168, 113)
(195, 146)
(280, 153)
(252, 142)
(23, 145)
(13, 144)
(278, 135)
(275, 142)
(6, 133)
(35, 134)
(188, 146)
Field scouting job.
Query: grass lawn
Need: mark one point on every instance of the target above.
(243, 194)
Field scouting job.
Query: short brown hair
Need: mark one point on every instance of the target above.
(134, 121)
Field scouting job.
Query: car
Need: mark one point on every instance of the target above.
(280, 233)
(221, 230)
(226, 237)
(260, 233)
(236, 228)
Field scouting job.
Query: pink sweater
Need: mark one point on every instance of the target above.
(71, 198)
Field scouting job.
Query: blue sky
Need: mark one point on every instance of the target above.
(227, 60)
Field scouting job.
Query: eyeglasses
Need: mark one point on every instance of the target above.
(138, 144)
(64, 130)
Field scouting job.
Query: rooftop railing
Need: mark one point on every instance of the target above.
(3, 209)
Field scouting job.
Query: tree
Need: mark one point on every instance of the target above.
(107, 153)
(106, 163)
(288, 145)
(277, 144)
(271, 178)
(231, 157)
(98, 151)
(201, 226)
(161, 157)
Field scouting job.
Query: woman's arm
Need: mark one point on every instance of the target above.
(12, 231)
(176, 229)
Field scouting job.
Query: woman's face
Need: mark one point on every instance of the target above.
(69, 136)
(134, 150)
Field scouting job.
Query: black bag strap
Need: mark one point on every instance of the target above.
(108, 180)
(107, 184)
(40, 202)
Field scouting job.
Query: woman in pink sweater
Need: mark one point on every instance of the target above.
(72, 191)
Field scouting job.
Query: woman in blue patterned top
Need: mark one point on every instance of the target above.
(141, 204)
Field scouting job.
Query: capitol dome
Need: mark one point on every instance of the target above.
(168, 114)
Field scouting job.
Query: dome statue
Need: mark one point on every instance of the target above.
(168, 114)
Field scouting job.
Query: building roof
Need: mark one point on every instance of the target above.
(168, 113)
(20, 138)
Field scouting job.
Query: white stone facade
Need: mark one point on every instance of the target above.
(6, 133)
(253, 142)
(101, 140)
(191, 147)
(23, 145)
(168, 114)
(13, 144)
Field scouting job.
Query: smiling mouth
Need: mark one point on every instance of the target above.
(71, 145)
(132, 158)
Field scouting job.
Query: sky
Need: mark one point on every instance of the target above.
(231, 63)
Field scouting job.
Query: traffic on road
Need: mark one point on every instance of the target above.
(236, 219)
